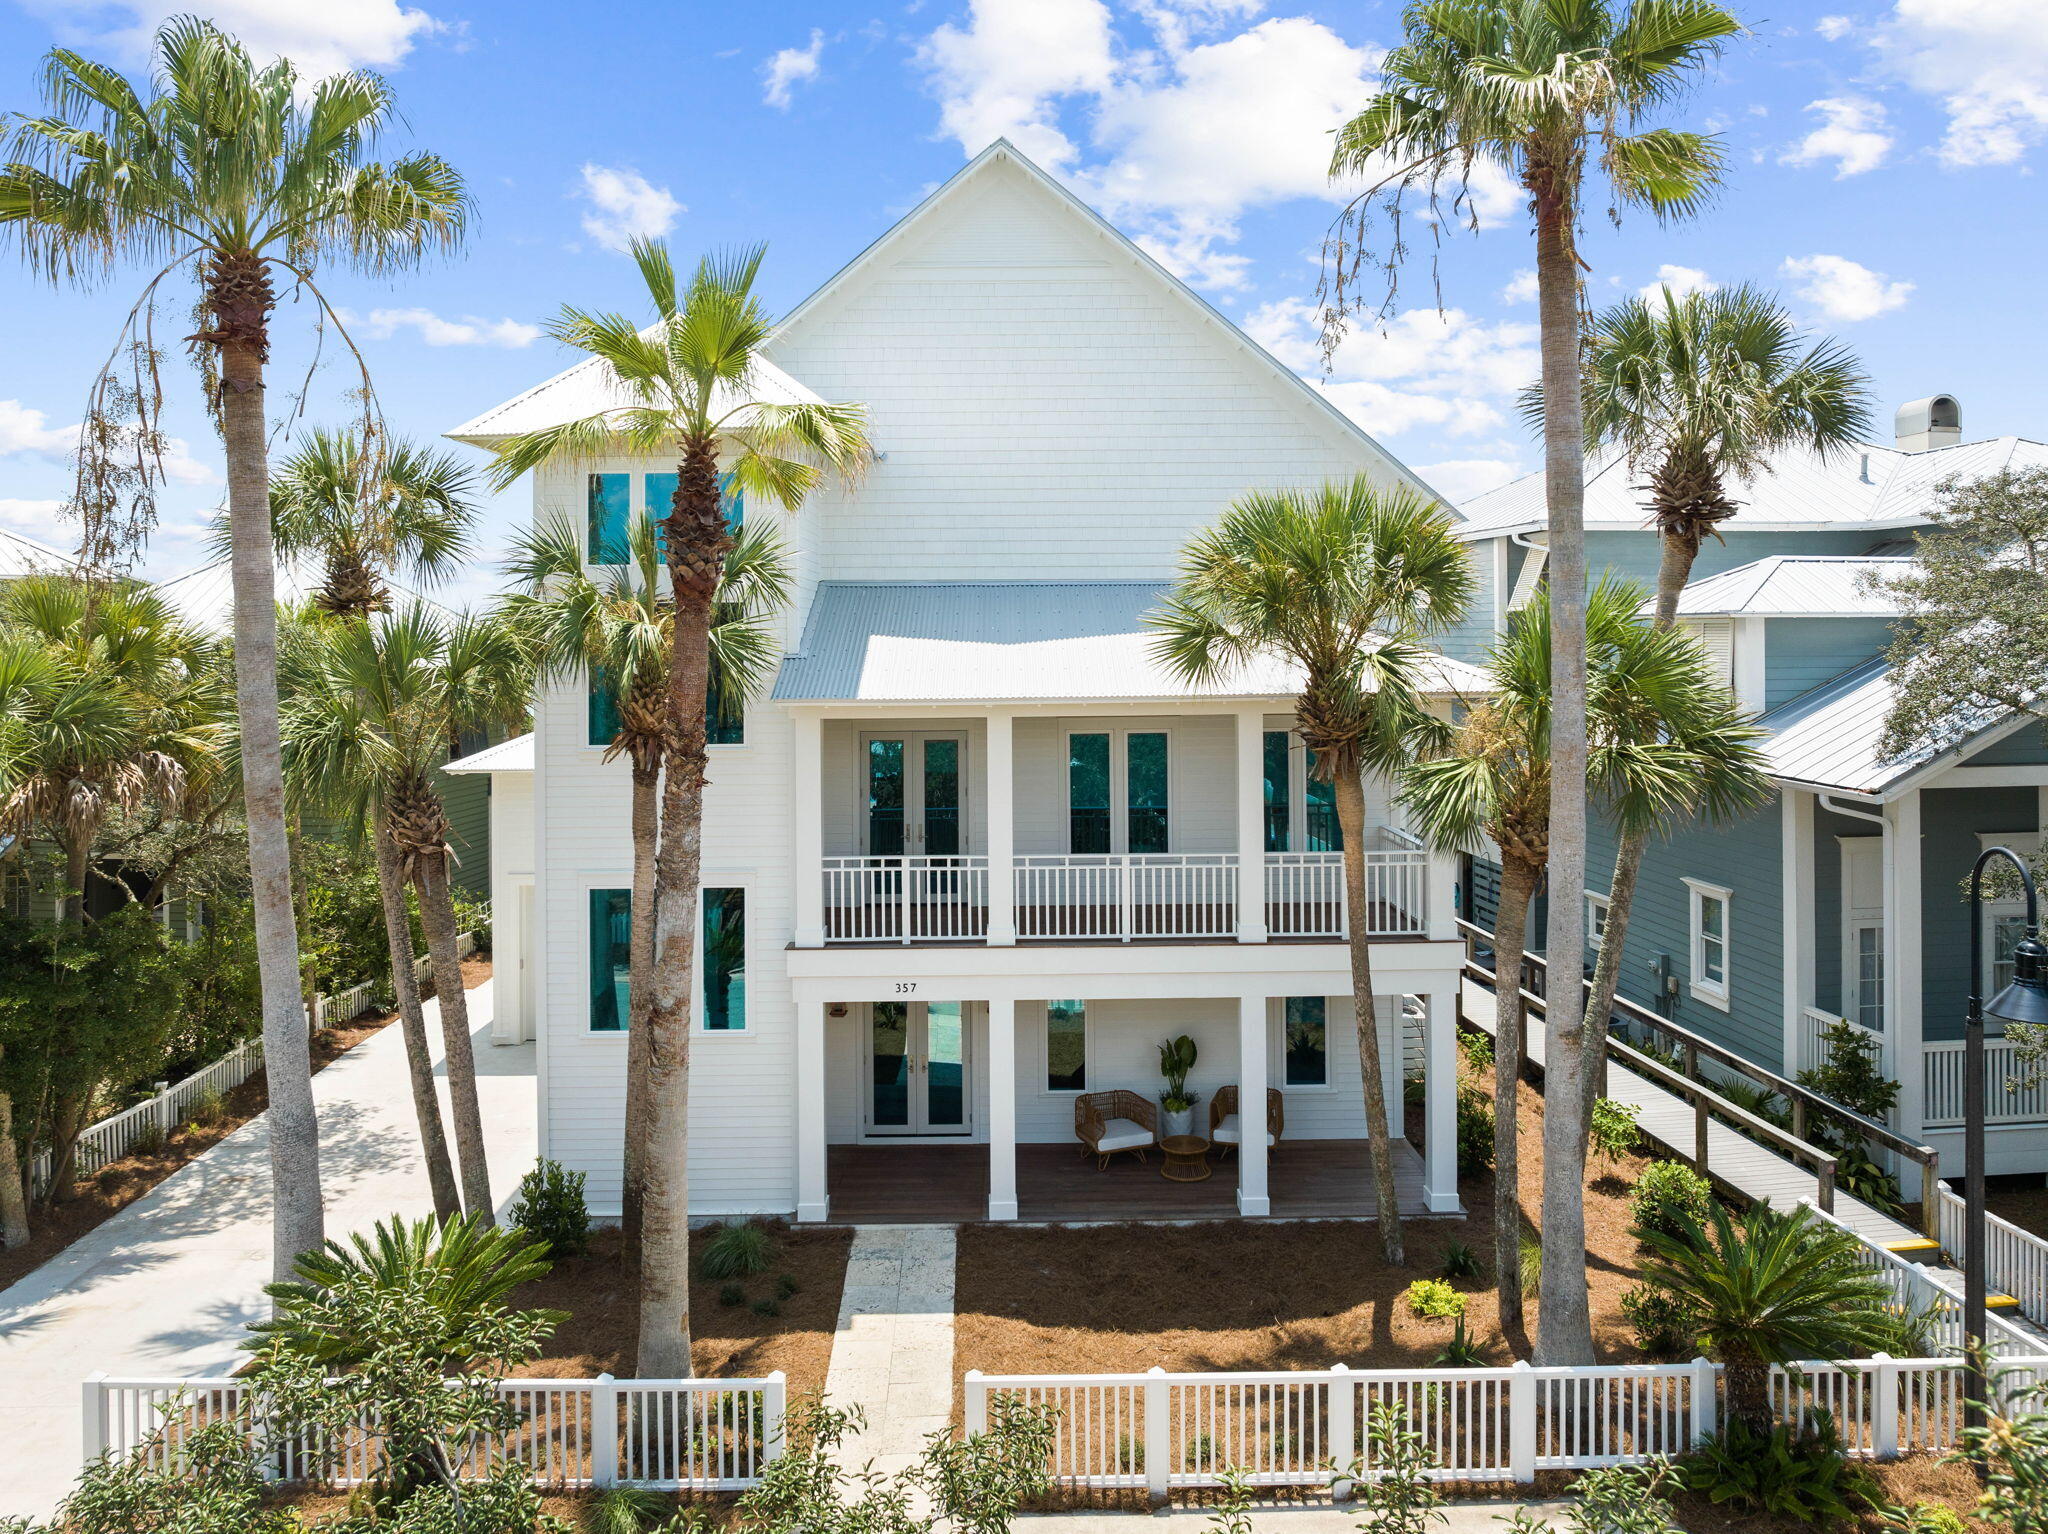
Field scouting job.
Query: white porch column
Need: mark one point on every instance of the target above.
(1002, 1108)
(813, 1199)
(807, 817)
(1902, 906)
(1440, 1099)
(1251, 826)
(1002, 835)
(1251, 1107)
(1795, 819)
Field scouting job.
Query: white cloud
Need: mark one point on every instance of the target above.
(1177, 22)
(1852, 134)
(1681, 280)
(1451, 370)
(29, 433)
(1987, 61)
(470, 330)
(1834, 28)
(1843, 289)
(320, 39)
(625, 206)
(1002, 74)
(1459, 479)
(1521, 288)
(786, 67)
(36, 518)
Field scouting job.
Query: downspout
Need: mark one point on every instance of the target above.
(1828, 803)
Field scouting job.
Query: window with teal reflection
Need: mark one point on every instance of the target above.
(1145, 789)
(1324, 835)
(725, 960)
(1306, 1049)
(661, 499)
(610, 504)
(1278, 794)
(725, 716)
(1088, 793)
(611, 960)
(603, 710)
(885, 798)
(1066, 1046)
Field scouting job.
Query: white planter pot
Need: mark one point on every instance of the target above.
(1172, 1123)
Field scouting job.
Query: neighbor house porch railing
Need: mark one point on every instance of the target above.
(2012, 1095)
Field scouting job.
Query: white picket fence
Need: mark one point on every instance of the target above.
(2012, 1095)
(2016, 1260)
(676, 1435)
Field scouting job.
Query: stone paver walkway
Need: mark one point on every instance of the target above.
(165, 1287)
(893, 1353)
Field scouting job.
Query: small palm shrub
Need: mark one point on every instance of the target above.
(1923, 1518)
(1475, 1132)
(1669, 1199)
(1759, 1100)
(1434, 1300)
(738, 1251)
(1461, 1352)
(550, 1208)
(1460, 1261)
(1664, 1328)
(208, 1108)
(730, 1295)
(1614, 1131)
(1400, 1497)
(1780, 1471)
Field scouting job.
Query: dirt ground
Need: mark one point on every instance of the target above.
(1231, 1295)
(118, 1184)
(2010, 1198)
(732, 1341)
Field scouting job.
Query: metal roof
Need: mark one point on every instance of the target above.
(206, 596)
(590, 387)
(1827, 737)
(1867, 486)
(25, 556)
(1023, 641)
(1795, 586)
(514, 755)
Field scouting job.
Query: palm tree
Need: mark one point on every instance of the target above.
(1696, 390)
(691, 382)
(1339, 581)
(1538, 89)
(369, 714)
(1664, 741)
(367, 516)
(613, 626)
(1772, 1287)
(238, 172)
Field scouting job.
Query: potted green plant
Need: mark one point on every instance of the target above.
(1177, 1104)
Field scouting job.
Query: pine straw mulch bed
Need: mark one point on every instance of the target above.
(728, 1341)
(98, 1198)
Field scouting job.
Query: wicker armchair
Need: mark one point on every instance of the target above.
(1108, 1122)
(1225, 1128)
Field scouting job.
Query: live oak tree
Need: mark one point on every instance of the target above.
(231, 173)
(1548, 92)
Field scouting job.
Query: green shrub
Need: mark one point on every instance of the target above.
(627, 1510)
(1782, 1471)
(732, 1294)
(1478, 1049)
(1759, 1100)
(1460, 1261)
(1622, 1499)
(551, 1209)
(1532, 1261)
(1475, 1132)
(786, 1286)
(1669, 1198)
(766, 1308)
(149, 1140)
(1434, 1300)
(738, 1251)
(1614, 1131)
(1923, 1518)
(1664, 1326)
(1400, 1497)
(208, 1108)
(1461, 1352)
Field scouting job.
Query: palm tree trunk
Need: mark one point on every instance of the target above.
(412, 1022)
(437, 915)
(697, 540)
(1676, 554)
(1510, 935)
(14, 1230)
(1748, 1379)
(1565, 1319)
(640, 971)
(1350, 796)
(238, 302)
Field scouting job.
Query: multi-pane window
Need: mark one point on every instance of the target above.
(2006, 931)
(1710, 937)
(1066, 1046)
(611, 508)
(1117, 792)
(1279, 792)
(1145, 777)
(1320, 799)
(1289, 777)
(1305, 1053)
(722, 959)
(1867, 983)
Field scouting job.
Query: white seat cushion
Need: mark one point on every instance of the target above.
(1123, 1134)
(1228, 1133)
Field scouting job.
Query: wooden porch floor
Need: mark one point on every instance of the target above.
(926, 1184)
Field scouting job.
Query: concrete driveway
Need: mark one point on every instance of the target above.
(166, 1286)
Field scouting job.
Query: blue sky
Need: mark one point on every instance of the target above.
(1884, 162)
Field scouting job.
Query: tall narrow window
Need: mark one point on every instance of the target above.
(941, 798)
(1088, 793)
(611, 497)
(661, 500)
(1710, 937)
(725, 960)
(603, 710)
(1278, 796)
(1145, 790)
(1066, 1046)
(725, 714)
(885, 798)
(1324, 834)
(611, 961)
(1306, 1047)
(1868, 995)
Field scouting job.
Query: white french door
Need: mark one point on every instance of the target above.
(918, 1070)
(913, 800)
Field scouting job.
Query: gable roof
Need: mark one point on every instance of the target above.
(1794, 586)
(1869, 486)
(514, 755)
(206, 596)
(20, 555)
(1010, 642)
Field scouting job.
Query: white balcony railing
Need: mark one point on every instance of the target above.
(2012, 1095)
(1305, 894)
(1812, 1044)
(1127, 895)
(906, 899)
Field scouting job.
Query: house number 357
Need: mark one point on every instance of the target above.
(906, 987)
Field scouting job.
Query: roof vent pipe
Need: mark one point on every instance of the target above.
(1936, 421)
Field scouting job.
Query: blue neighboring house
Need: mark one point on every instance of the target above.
(1842, 897)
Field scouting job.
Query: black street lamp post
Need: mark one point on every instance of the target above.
(2025, 1000)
